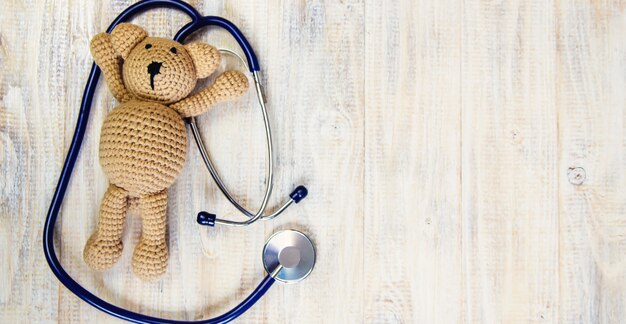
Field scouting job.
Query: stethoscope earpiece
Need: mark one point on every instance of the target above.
(207, 219)
(298, 194)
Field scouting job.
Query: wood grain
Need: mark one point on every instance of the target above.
(412, 162)
(465, 161)
(591, 82)
(509, 131)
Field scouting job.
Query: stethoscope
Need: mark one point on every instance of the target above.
(288, 255)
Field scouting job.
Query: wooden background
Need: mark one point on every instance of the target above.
(465, 160)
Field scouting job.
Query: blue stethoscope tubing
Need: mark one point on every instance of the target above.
(197, 21)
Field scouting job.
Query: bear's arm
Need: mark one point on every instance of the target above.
(105, 57)
(228, 86)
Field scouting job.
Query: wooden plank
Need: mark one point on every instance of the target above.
(30, 140)
(510, 209)
(312, 55)
(592, 164)
(412, 174)
(315, 82)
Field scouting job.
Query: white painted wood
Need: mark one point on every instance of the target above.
(591, 102)
(509, 179)
(412, 162)
(443, 143)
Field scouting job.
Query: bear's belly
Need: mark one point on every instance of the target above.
(143, 146)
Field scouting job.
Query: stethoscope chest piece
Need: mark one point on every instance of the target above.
(289, 255)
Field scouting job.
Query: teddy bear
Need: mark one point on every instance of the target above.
(143, 142)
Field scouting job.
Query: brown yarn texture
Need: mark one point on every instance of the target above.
(143, 143)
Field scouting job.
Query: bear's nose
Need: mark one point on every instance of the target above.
(154, 68)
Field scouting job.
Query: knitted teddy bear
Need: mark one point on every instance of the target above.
(143, 142)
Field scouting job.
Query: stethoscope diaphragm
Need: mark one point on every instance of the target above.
(289, 255)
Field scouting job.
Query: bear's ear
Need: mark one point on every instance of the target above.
(125, 37)
(206, 58)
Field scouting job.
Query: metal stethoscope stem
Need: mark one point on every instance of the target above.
(205, 218)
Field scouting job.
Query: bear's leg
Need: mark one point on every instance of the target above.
(151, 254)
(104, 247)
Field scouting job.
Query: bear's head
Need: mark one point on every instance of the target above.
(160, 69)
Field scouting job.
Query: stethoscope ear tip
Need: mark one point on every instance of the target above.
(207, 219)
(299, 193)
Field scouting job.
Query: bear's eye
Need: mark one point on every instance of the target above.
(148, 46)
(173, 50)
